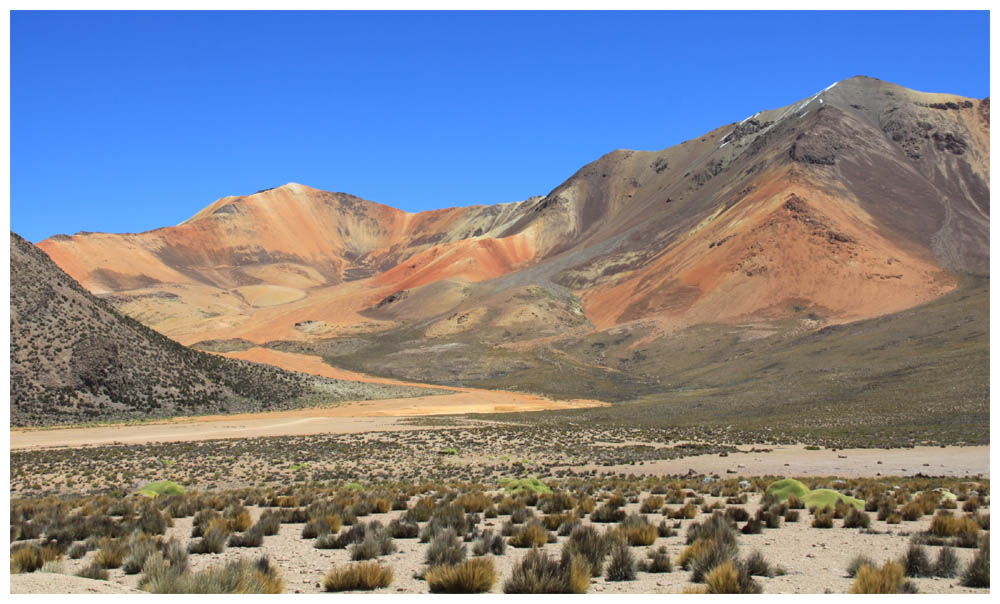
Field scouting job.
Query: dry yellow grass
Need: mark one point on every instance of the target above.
(470, 577)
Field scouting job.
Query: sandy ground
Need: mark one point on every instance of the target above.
(350, 417)
(796, 460)
(815, 559)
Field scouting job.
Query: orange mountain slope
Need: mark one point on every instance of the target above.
(862, 200)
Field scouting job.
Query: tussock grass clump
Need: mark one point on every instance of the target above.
(111, 554)
(403, 529)
(885, 580)
(237, 577)
(856, 519)
(214, 542)
(140, 547)
(730, 578)
(607, 513)
(31, 557)
(857, 562)
(910, 512)
(637, 530)
(978, 572)
(445, 517)
(322, 525)
(359, 576)
(946, 564)
(377, 542)
(714, 527)
(916, 562)
(476, 502)
(658, 561)
(536, 573)
(470, 577)
(555, 520)
(710, 554)
(651, 504)
(965, 528)
(737, 514)
(823, 519)
(591, 546)
(621, 565)
(488, 543)
(689, 511)
(529, 535)
(445, 549)
(420, 511)
(93, 571)
(558, 501)
(757, 565)
(252, 537)
(269, 523)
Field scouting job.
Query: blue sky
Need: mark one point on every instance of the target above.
(126, 122)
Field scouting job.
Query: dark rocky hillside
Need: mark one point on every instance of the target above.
(73, 359)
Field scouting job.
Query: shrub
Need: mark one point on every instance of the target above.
(241, 576)
(445, 549)
(916, 563)
(588, 544)
(791, 515)
(737, 514)
(29, 558)
(856, 519)
(621, 565)
(470, 577)
(752, 527)
(978, 572)
(947, 563)
(536, 573)
(857, 562)
(885, 580)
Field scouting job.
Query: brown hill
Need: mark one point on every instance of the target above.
(860, 201)
(73, 358)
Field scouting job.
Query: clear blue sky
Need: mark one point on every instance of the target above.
(131, 121)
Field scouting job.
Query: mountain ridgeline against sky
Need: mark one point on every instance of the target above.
(860, 201)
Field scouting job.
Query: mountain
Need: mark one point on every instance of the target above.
(74, 358)
(863, 200)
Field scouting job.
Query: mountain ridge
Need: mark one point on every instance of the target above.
(858, 201)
